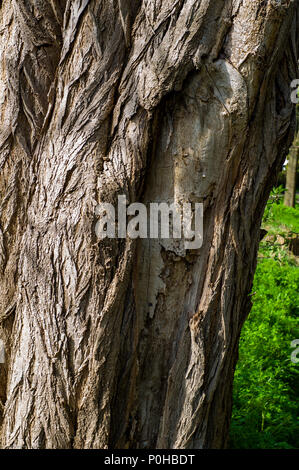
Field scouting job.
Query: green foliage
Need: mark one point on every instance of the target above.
(285, 216)
(278, 217)
(266, 386)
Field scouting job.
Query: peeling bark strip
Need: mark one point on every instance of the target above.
(119, 343)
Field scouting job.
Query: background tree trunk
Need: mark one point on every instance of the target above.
(125, 343)
(290, 194)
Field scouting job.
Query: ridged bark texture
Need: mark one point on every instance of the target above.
(122, 343)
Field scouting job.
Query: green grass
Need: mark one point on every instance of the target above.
(266, 386)
(279, 218)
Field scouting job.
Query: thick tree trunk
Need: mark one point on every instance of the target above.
(123, 343)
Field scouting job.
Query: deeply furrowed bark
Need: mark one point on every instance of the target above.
(122, 343)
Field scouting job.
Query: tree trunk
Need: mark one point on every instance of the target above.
(127, 343)
(290, 194)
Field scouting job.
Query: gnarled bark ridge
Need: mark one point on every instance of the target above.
(122, 343)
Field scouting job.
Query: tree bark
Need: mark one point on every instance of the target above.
(290, 194)
(133, 343)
